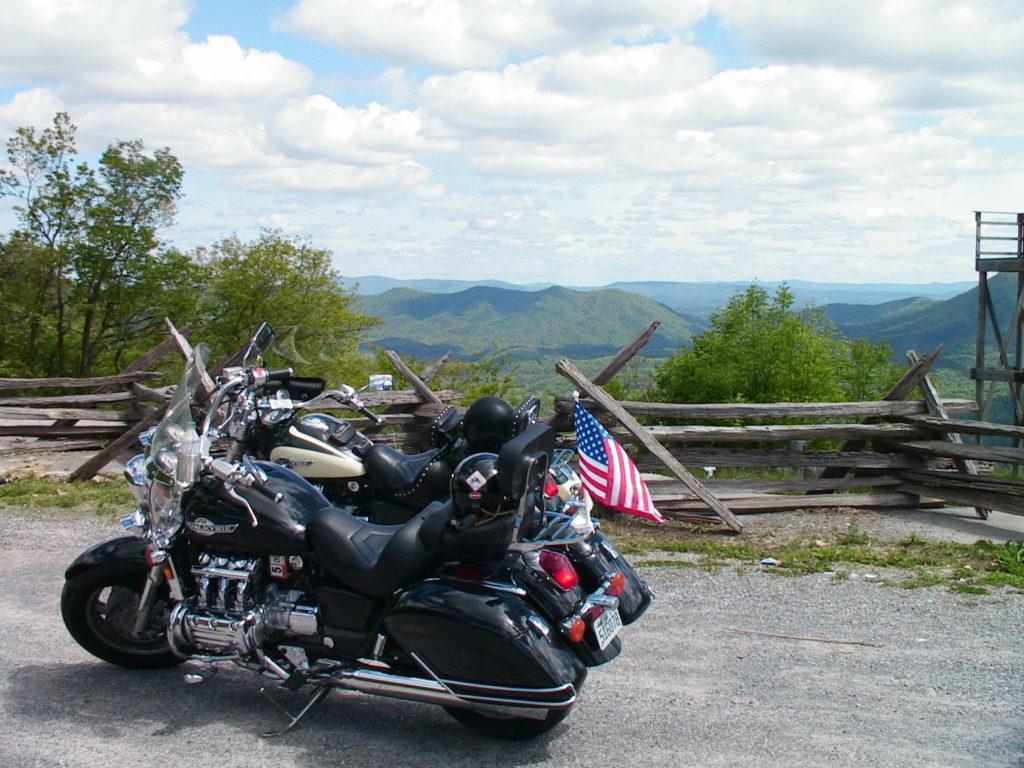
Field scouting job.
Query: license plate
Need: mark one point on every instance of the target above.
(607, 626)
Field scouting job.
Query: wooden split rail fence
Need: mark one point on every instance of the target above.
(899, 451)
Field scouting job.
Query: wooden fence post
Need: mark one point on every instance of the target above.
(900, 391)
(596, 393)
(934, 403)
(414, 381)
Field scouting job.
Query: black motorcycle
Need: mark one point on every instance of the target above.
(473, 604)
(275, 420)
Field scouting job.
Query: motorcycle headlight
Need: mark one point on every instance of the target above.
(165, 514)
(135, 474)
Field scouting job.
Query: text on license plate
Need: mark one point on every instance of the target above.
(607, 626)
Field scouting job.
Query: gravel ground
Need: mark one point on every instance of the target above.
(923, 678)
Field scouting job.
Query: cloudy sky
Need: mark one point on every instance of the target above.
(573, 141)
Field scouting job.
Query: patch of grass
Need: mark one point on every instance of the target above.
(963, 568)
(102, 497)
(671, 563)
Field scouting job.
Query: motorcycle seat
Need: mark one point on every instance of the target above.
(376, 559)
(413, 480)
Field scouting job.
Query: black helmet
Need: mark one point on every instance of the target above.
(476, 491)
(489, 423)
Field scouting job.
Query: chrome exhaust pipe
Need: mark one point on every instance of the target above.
(436, 691)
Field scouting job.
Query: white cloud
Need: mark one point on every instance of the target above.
(104, 49)
(941, 36)
(58, 39)
(314, 177)
(218, 105)
(561, 133)
(452, 34)
(319, 127)
(36, 106)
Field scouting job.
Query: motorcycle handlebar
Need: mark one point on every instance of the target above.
(260, 488)
(279, 374)
(378, 420)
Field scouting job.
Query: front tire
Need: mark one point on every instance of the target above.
(99, 607)
(507, 727)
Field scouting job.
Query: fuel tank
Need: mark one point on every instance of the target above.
(219, 523)
(322, 446)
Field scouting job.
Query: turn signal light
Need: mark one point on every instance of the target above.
(155, 557)
(559, 567)
(616, 583)
(577, 629)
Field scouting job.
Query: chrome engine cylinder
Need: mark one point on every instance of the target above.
(229, 617)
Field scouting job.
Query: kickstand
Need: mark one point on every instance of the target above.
(318, 696)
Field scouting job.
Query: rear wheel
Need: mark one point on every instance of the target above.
(507, 727)
(99, 608)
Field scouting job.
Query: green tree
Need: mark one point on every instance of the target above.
(869, 372)
(122, 282)
(759, 349)
(292, 285)
(92, 284)
(52, 195)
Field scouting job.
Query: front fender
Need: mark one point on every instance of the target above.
(116, 553)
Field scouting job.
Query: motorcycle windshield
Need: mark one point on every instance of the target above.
(168, 444)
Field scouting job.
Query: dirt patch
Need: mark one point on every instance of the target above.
(18, 461)
(959, 524)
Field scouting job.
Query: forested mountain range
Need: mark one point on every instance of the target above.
(697, 299)
(524, 324)
(536, 325)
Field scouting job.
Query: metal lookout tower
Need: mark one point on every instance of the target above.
(999, 357)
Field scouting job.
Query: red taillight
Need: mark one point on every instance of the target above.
(550, 487)
(559, 567)
(616, 583)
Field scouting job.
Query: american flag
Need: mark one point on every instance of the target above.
(608, 473)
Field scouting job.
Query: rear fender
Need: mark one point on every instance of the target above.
(594, 558)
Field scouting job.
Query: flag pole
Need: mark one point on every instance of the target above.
(567, 369)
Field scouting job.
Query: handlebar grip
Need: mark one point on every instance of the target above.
(262, 489)
(279, 374)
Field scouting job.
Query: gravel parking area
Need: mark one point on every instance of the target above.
(885, 677)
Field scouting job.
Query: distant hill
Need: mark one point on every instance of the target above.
(696, 299)
(537, 326)
(525, 324)
(923, 323)
(701, 299)
(371, 285)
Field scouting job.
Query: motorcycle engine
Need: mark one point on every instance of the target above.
(237, 606)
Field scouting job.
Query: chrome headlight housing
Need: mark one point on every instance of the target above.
(159, 515)
(135, 474)
(165, 512)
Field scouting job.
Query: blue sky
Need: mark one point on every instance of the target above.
(574, 141)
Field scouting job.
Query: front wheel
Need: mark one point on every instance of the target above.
(507, 727)
(99, 608)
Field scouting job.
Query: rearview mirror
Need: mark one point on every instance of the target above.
(259, 343)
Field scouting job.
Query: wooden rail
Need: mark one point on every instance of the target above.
(875, 454)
